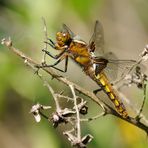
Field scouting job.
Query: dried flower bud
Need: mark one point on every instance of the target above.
(35, 111)
(61, 116)
(84, 110)
(137, 77)
(57, 119)
(128, 77)
(144, 53)
(81, 143)
(87, 139)
(6, 42)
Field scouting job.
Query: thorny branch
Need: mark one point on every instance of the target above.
(8, 43)
(106, 108)
(65, 116)
(77, 113)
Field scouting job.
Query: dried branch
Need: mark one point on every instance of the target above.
(144, 98)
(143, 57)
(93, 118)
(46, 39)
(8, 43)
(54, 96)
(106, 108)
(77, 113)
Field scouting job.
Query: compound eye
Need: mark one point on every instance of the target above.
(58, 34)
(64, 34)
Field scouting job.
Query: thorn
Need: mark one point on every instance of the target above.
(37, 71)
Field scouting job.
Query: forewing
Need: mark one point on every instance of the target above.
(112, 67)
(97, 40)
(73, 36)
(66, 29)
(116, 68)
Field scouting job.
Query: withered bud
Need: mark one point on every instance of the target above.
(83, 108)
(81, 143)
(35, 110)
(61, 116)
(6, 42)
(144, 53)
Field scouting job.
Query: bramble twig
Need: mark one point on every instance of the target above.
(106, 108)
(77, 113)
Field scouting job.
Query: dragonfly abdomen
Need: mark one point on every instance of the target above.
(107, 88)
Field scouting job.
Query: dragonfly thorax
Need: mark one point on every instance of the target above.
(79, 41)
(99, 64)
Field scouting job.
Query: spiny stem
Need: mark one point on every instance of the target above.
(77, 113)
(97, 100)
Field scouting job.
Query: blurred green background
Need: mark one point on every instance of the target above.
(126, 33)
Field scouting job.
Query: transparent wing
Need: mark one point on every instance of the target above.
(73, 36)
(66, 29)
(112, 67)
(116, 68)
(97, 40)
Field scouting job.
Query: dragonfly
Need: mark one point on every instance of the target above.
(72, 46)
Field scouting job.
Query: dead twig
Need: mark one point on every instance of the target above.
(106, 108)
(78, 127)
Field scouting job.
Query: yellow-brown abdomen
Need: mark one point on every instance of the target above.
(106, 86)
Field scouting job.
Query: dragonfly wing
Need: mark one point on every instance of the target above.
(66, 29)
(97, 40)
(115, 67)
(73, 36)
(112, 68)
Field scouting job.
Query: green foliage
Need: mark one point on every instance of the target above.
(83, 7)
(22, 21)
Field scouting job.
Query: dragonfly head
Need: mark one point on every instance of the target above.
(63, 38)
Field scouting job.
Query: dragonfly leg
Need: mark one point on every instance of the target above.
(97, 90)
(51, 43)
(54, 56)
(57, 62)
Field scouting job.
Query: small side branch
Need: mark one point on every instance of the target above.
(144, 98)
(93, 118)
(46, 39)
